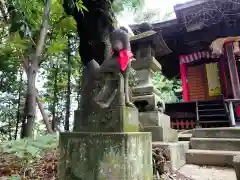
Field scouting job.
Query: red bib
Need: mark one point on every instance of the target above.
(124, 58)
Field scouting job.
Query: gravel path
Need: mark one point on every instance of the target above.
(208, 173)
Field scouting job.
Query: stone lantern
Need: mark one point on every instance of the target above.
(146, 46)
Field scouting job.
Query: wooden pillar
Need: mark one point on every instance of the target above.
(183, 71)
(233, 70)
(223, 75)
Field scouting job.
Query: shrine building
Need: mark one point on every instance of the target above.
(204, 40)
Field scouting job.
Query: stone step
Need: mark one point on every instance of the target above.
(210, 157)
(184, 137)
(226, 132)
(228, 144)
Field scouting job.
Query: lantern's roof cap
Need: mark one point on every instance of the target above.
(142, 36)
(154, 38)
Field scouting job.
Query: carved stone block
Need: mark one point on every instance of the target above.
(98, 156)
(148, 101)
(147, 63)
(113, 119)
(162, 134)
(154, 118)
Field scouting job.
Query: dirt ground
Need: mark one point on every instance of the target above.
(208, 173)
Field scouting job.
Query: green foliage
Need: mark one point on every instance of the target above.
(19, 37)
(168, 88)
(135, 5)
(28, 150)
(17, 178)
(152, 15)
(133, 80)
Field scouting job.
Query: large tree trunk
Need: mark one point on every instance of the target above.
(19, 105)
(93, 26)
(79, 86)
(55, 99)
(68, 98)
(8, 117)
(30, 109)
(32, 72)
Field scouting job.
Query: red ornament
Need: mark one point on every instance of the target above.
(124, 57)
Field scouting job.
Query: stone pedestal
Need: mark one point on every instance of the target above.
(236, 164)
(162, 134)
(146, 98)
(159, 125)
(105, 156)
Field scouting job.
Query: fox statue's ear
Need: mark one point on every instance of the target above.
(116, 24)
(126, 28)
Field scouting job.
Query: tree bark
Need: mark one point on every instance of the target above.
(93, 27)
(44, 115)
(32, 70)
(9, 124)
(30, 109)
(54, 99)
(40, 105)
(79, 81)
(3, 12)
(19, 104)
(68, 98)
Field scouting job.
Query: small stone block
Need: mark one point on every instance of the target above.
(143, 90)
(236, 164)
(154, 118)
(177, 152)
(161, 134)
(118, 119)
(103, 156)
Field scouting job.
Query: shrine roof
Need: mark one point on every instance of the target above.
(190, 4)
(192, 31)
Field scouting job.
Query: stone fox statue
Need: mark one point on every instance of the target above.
(119, 63)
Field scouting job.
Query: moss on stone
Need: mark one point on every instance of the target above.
(130, 122)
(142, 35)
(104, 156)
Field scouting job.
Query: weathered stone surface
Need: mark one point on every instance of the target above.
(151, 100)
(154, 118)
(143, 90)
(162, 134)
(150, 39)
(146, 62)
(105, 156)
(236, 164)
(145, 77)
(177, 152)
(118, 119)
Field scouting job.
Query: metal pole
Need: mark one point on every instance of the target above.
(232, 117)
(197, 116)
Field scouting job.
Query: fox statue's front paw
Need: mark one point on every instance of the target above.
(129, 104)
(102, 104)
